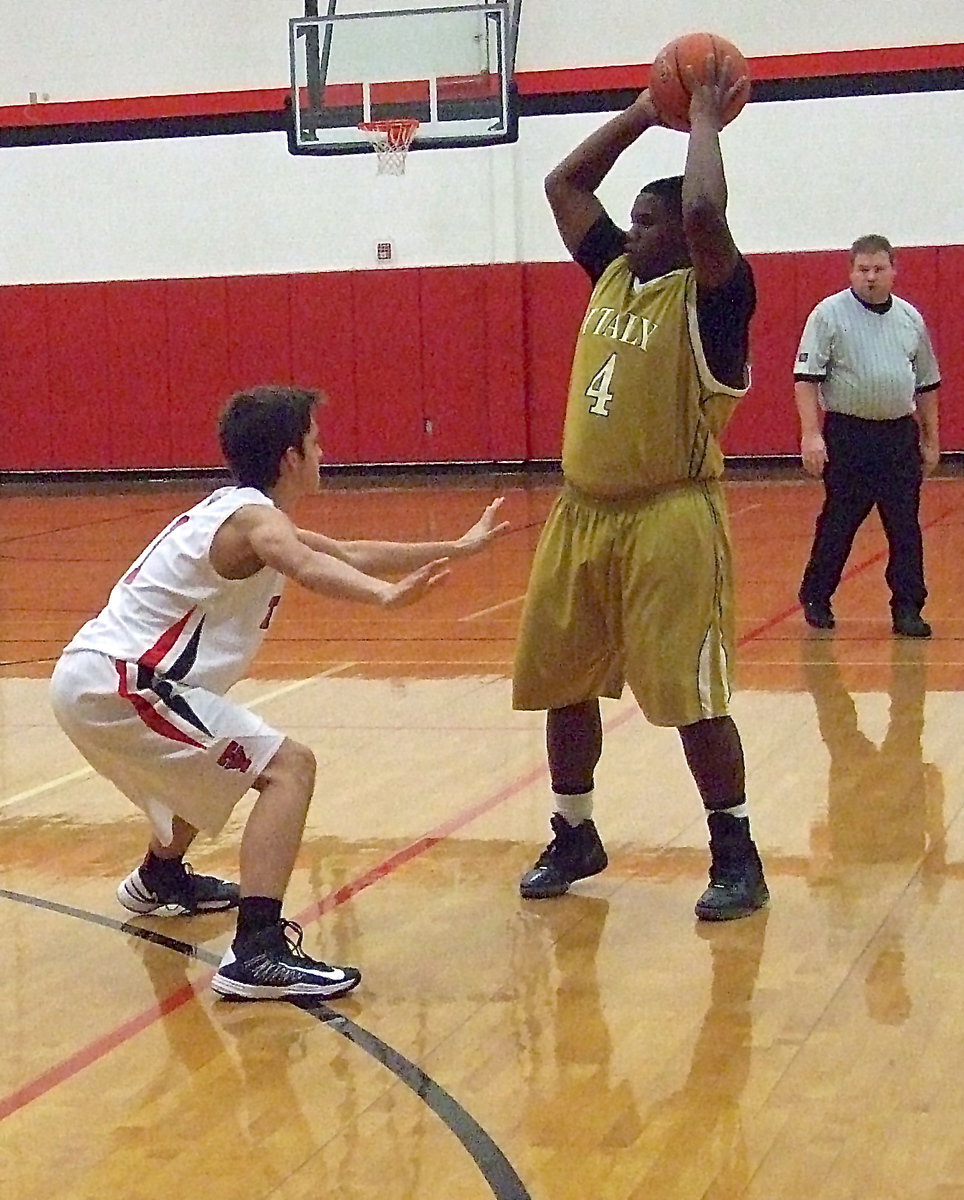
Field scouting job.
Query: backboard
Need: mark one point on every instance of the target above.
(450, 66)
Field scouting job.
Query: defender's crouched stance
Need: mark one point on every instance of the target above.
(140, 690)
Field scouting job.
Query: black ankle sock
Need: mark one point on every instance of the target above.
(256, 913)
(161, 870)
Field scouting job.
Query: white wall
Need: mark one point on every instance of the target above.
(97, 49)
(634, 30)
(85, 49)
(802, 174)
(243, 205)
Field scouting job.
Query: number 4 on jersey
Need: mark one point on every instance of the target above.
(600, 390)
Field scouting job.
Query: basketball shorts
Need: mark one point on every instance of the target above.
(631, 592)
(169, 748)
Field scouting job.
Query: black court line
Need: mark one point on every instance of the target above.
(496, 1169)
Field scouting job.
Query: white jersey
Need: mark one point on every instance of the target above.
(173, 615)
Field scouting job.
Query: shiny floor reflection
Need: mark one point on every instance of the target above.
(603, 1044)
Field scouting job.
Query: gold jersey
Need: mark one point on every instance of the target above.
(644, 411)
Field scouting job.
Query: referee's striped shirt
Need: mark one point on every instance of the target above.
(870, 361)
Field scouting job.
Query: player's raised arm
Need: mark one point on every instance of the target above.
(391, 558)
(571, 186)
(711, 246)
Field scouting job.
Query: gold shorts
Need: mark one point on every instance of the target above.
(637, 592)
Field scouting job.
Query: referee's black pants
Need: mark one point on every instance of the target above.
(869, 463)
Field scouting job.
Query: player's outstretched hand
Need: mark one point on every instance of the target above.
(415, 584)
(483, 531)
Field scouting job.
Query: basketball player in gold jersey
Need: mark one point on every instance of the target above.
(631, 581)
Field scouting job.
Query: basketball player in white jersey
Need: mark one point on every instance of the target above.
(140, 690)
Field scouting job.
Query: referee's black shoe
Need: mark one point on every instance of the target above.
(909, 623)
(818, 614)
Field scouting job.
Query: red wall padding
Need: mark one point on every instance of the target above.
(949, 339)
(198, 367)
(81, 404)
(28, 435)
(137, 384)
(764, 421)
(323, 356)
(445, 364)
(555, 300)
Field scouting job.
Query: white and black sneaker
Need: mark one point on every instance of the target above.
(185, 894)
(271, 965)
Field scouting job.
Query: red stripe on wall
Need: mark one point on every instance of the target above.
(949, 340)
(324, 348)
(780, 66)
(137, 348)
(143, 108)
(504, 316)
(882, 60)
(78, 346)
(387, 335)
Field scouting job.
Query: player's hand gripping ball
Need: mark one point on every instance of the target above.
(668, 87)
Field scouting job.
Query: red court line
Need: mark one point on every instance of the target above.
(75, 1063)
(102, 1046)
(859, 569)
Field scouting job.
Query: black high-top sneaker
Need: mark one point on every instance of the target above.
(818, 614)
(907, 622)
(737, 887)
(574, 853)
(182, 893)
(271, 965)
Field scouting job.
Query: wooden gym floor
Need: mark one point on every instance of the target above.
(603, 1045)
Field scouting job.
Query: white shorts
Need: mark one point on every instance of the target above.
(170, 748)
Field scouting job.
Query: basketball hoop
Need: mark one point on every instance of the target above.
(391, 140)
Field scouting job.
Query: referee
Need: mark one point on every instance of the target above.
(865, 359)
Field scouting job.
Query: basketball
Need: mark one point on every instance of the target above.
(667, 84)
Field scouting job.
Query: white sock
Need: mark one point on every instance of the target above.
(741, 811)
(575, 809)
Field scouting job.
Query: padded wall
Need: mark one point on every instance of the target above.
(424, 365)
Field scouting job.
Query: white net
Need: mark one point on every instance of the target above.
(391, 141)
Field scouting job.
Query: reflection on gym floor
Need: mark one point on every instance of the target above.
(601, 1044)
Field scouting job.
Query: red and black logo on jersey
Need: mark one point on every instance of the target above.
(233, 758)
